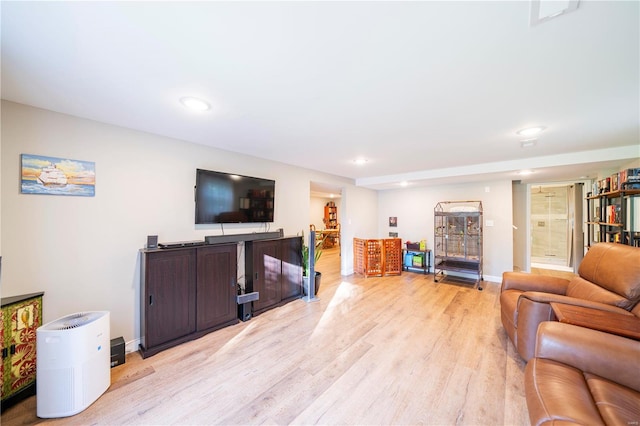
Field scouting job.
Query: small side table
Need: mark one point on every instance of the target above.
(610, 322)
(425, 268)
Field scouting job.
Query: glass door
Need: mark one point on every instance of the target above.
(550, 242)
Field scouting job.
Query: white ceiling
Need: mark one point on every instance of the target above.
(427, 91)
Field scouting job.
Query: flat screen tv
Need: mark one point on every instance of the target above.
(228, 198)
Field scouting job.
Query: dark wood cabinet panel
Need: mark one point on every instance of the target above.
(266, 273)
(275, 271)
(216, 290)
(170, 297)
(291, 285)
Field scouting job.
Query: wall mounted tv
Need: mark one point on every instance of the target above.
(228, 198)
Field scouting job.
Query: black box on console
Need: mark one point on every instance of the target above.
(117, 351)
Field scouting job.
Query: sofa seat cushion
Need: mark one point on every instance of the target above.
(557, 392)
(618, 405)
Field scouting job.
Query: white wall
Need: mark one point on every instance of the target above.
(358, 220)
(83, 252)
(414, 209)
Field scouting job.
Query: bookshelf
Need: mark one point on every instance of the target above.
(614, 216)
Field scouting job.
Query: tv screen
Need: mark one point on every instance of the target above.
(228, 198)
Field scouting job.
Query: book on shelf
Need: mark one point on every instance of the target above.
(613, 214)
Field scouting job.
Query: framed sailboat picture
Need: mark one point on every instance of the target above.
(57, 176)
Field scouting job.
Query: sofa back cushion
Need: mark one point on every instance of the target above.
(586, 290)
(614, 267)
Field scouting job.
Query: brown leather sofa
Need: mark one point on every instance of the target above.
(582, 376)
(608, 279)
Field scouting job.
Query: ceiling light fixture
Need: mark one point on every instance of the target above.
(195, 104)
(530, 131)
(525, 172)
(360, 161)
(404, 183)
(528, 143)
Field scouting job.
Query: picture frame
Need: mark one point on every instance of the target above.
(40, 174)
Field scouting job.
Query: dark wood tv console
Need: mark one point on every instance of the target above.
(188, 292)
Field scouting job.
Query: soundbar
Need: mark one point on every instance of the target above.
(234, 238)
(221, 239)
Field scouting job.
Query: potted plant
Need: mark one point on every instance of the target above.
(305, 264)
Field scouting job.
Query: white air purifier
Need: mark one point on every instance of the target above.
(73, 363)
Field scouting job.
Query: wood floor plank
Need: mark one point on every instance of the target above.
(381, 350)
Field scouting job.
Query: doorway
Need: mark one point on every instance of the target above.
(550, 226)
(555, 223)
(325, 211)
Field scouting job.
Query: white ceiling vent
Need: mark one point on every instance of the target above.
(544, 10)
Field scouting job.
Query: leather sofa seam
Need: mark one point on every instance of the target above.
(538, 393)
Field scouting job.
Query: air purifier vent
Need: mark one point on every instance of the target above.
(73, 321)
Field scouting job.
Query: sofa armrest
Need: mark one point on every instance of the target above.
(606, 355)
(528, 282)
(534, 308)
(540, 297)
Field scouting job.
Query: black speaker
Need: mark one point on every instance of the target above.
(244, 311)
(117, 351)
(152, 241)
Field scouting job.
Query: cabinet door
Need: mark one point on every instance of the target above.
(291, 255)
(267, 272)
(216, 291)
(20, 322)
(170, 296)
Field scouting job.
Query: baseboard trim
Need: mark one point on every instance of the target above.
(132, 346)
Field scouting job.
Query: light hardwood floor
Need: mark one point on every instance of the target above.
(374, 351)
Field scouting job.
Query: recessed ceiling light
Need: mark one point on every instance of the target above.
(530, 131)
(195, 104)
(404, 183)
(525, 172)
(360, 161)
(528, 143)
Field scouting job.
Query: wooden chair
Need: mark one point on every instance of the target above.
(319, 237)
